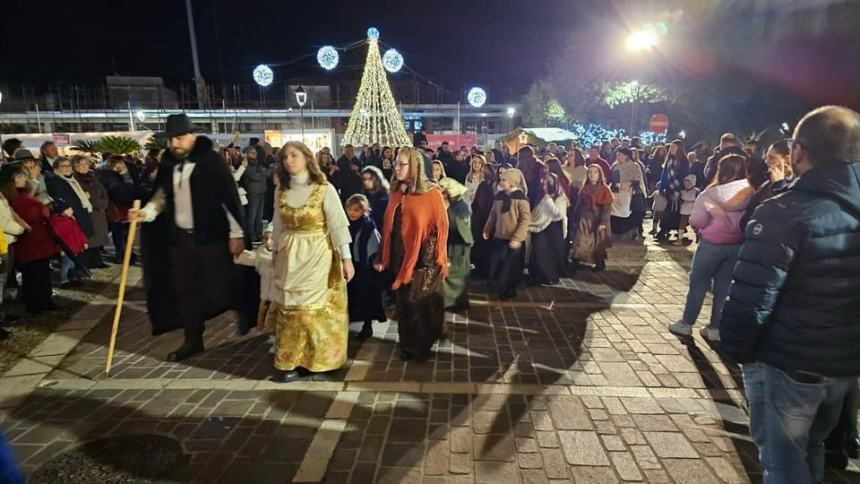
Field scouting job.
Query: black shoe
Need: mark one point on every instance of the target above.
(52, 306)
(508, 295)
(4, 334)
(99, 265)
(282, 376)
(366, 332)
(406, 356)
(9, 319)
(185, 351)
(600, 266)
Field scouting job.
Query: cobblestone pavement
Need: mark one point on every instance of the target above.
(574, 383)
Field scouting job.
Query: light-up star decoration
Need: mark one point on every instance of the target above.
(328, 57)
(263, 75)
(476, 97)
(392, 61)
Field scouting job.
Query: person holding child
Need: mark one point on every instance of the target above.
(508, 226)
(365, 289)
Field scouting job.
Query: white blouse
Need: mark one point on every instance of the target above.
(335, 217)
(548, 211)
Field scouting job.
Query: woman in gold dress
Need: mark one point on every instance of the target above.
(414, 246)
(312, 266)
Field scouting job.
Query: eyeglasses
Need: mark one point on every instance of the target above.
(402, 164)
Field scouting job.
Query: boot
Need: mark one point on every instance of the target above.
(96, 261)
(187, 350)
(366, 331)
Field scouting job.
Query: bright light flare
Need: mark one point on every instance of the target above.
(641, 40)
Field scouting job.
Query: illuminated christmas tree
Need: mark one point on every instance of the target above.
(375, 118)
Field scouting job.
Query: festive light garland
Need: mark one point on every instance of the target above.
(263, 75)
(375, 118)
(328, 57)
(595, 133)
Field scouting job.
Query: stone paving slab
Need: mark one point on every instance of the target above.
(578, 382)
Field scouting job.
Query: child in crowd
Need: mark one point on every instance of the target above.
(688, 199)
(261, 260)
(69, 233)
(365, 289)
(508, 227)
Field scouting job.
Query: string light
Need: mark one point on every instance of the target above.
(327, 57)
(263, 75)
(375, 118)
(476, 97)
(392, 60)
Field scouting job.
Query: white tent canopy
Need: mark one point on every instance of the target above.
(551, 134)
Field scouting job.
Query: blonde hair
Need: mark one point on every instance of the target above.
(358, 199)
(417, 181)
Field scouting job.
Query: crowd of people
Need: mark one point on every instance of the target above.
(401, 230)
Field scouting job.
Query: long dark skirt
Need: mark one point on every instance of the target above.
(365, 295)
(506, 266)
(420, 311)
(456, 294)
(158, 278)
(549, 254)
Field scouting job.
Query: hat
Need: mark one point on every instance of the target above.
(454, 188)
(177, 125)
(691, 178)
(269, 228)
(515, 178)
(23, 154)
(60, 205)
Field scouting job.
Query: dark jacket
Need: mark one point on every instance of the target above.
(212, 190)
(99, 200)
(255, 176)
(714, 161)
(122, 192)
(378, 204)
(767, 190)
(59, 188)
(794, 303)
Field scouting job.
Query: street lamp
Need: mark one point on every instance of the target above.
(511, 111)
(301, 99)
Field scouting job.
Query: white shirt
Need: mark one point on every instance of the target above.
(183, 207)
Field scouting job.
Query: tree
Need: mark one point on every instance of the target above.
(375, 118)
(120, 145)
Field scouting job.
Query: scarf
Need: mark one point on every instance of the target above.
(421, 214)
(79, 191)
(598, 194)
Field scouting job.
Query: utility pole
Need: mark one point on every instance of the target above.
(198, 78)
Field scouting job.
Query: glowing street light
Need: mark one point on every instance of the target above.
(641, 40)
(511, 111)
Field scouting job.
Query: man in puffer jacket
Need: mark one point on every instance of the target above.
(793, 315)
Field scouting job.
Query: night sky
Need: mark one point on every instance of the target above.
(501, 44)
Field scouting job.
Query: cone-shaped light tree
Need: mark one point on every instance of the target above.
(375, 118)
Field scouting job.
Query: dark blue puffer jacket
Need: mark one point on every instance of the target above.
(795, 296)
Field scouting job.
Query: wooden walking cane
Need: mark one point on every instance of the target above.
(123, 276)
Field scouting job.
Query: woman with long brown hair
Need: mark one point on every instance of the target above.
(312, 266)
(414, 246)
(780, 175)
(590, 222)
(716, 216)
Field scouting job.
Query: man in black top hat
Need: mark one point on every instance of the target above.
(196, 191)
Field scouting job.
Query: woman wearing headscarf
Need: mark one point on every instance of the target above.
(460, 243)
(376, 189)
(482, 204)
(415, 247)
(590, 221)
(548, 258)
(508, 226)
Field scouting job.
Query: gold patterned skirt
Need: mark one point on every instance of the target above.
(310, 319)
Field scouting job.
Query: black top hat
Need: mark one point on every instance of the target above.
(23, 154)
(177, 125)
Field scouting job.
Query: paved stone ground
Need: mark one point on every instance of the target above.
(574, 383)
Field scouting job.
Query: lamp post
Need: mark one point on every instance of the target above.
(301, 99)
(511, 112)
